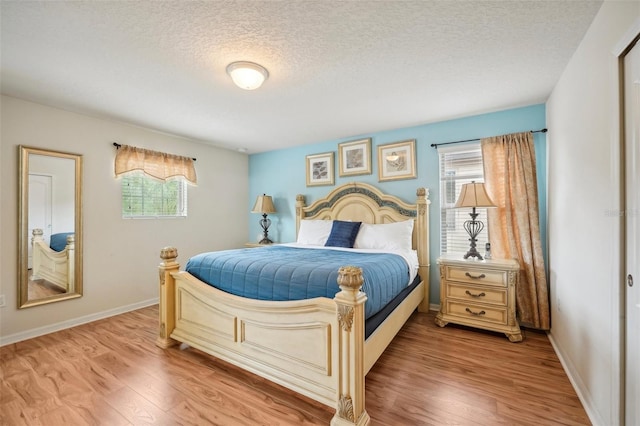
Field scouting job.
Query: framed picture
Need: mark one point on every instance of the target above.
(397, 160)
(320, 169)
(354, 158)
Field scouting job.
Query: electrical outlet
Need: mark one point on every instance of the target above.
(1, 300)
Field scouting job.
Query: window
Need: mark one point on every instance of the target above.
(145, 197)
(458, 165)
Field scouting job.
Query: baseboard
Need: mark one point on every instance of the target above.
(51, 328)
(578, 385)
(434, 307)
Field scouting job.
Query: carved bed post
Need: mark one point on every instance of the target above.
(36, 237)
(167, 296)
(350, 409)
(71, 263)
(300, 204)
(422, 243)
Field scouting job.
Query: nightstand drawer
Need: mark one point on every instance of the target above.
(477, 276)
(493, 296)
(491, 314)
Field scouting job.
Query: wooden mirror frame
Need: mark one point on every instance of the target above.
(24, 239)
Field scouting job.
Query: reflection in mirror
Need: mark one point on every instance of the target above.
(50, 226)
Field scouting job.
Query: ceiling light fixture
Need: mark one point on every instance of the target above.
(247, 75)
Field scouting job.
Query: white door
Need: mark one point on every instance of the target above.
(39, 207)
(632, 216)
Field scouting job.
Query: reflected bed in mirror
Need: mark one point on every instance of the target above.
(50, 226)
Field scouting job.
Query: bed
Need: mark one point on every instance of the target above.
(54, 262)
(317, 346)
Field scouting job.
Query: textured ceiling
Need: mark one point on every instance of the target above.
(337, 69)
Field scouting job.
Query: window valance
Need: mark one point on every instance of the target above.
(156, 164)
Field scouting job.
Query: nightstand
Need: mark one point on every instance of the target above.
(479, 293)
(252, 245)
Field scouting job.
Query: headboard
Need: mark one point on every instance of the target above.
(365, 203)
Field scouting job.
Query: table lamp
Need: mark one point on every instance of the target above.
(264, 205)
(473, 195)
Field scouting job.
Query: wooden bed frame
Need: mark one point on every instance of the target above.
(315, 347)
(57, 267)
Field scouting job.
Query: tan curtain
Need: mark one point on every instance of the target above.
(514, 228)
(153, 163)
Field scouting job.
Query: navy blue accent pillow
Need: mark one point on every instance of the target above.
(343, 234)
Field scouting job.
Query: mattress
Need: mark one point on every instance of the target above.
(296, 273)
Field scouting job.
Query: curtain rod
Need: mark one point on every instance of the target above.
(117, 145)
(435, 145)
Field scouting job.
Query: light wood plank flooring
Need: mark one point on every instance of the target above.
(41, 288)
(109, 372)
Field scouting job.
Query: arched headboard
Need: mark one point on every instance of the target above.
(365, 203)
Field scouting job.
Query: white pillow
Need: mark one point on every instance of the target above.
(314, 232)
(385, 236)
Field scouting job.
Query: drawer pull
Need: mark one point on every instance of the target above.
(475, 295)
(475, 313)
(475, 277)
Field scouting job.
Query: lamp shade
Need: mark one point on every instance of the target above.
(247, 75)
(264, 204)
(474, 195)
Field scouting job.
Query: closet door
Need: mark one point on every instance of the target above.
(632, 240)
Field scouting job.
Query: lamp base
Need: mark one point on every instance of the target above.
(473, 228)
(473, 253)
(265, 223)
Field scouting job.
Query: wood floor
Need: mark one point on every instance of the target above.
(109, 372)
(42, 288)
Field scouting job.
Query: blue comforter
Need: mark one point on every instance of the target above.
(59, 241)
(291, 273)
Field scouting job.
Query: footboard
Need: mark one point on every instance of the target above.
(314, 347)
(56, 267)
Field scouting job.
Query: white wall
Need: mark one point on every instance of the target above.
(120, 255)
(584, 201)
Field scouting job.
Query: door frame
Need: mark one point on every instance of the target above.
(628, 42)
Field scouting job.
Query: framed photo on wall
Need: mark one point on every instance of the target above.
(397, 160)
(354, 158)
(320, 169)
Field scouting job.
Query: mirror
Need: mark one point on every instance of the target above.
(49, 227)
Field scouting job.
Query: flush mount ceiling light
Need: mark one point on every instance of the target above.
(247, 75)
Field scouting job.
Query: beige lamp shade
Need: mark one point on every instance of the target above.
(264, 204)
(474, 195)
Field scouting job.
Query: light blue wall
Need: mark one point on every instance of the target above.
(282, 173)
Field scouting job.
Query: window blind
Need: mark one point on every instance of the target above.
(143, 196)
(459, 165)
